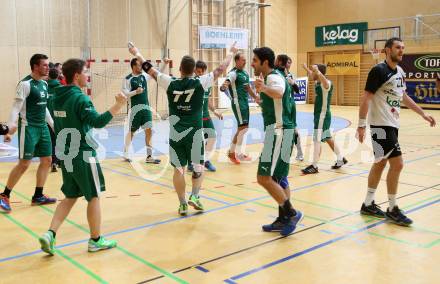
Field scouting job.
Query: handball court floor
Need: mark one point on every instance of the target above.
(225, 244)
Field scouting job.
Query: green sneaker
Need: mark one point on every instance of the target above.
(183, 209)
(47, 241)
(101, 244)
(194, 201)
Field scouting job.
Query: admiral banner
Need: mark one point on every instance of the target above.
(421, 72)
(343, 64)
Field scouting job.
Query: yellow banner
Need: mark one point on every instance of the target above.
(343, 64)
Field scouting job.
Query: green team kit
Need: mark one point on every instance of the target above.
(208, 125)
(140, 115)
(239, 79)
(321, 115)
(74, 117)
(279, 128)
(185, 103)
(33, 132)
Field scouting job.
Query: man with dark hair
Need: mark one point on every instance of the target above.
(322, 118)
(185, 103)
(75, 116)
(60, 78)
(33, 133)
(237, 81)
(135, 87)
(384, 91)
(208, 127)
(53, 83)
(279, 127)
(4, 129)
(282, 64)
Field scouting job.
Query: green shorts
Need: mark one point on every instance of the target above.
(321, 128)
(141, 119)
(241, 112)
(33, 142)
(275, 157)
(83, 177)
(186, 148)
(208, 128)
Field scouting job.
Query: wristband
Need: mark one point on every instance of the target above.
(146, 66)
(362, 122)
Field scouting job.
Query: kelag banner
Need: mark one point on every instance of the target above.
(340, 34)
(421, 72)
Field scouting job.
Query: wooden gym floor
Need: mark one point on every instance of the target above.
(333, 244)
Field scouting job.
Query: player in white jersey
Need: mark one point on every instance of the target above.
(384, 91)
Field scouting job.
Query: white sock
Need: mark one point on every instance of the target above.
(370, 196)
(149, 151)
(392, 201)
(298, 146)
(316, 152)
(195, 191)
(338, 152)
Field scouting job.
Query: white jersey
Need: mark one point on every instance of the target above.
(388, 87)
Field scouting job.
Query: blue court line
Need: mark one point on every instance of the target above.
(193, 215)
(326, 232)
(321, 245)
(201, 269)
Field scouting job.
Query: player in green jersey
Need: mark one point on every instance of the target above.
(322, 118)
(237, 82)
(208, 127)
(279, 128)
(75, 117)
(185, 102)
(135, 87)
(33, 133)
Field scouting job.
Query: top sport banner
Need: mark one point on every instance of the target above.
(220, 37)
(421, 72)
(343, 64)
(340, 34)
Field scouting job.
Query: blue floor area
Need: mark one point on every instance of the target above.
(111, 139)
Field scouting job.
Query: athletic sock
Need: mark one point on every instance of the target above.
(149, 151)
(288, 209)
(370, 196)
(338, 152)
(316, 152)
(195, 191)
(38, 192)
(391, 201)
(7, 192)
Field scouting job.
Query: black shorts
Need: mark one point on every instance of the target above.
(385, 142)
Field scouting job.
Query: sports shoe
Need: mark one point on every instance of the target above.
(244, 158)
(42, 200)
(297, 218)
(209, 166)
(194, 201)
(126, 158)
(232, 157)
(276, 226)
(396, 216)
(47, 242)
(310, 170)
(101, 244)
(54, 168)
(372, 210)
(183, 209)
(4, 203)
(299, 158)
(151, 160)
(190, 168)
(339, 164)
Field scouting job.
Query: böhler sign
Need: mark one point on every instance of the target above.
(340, 34)
(343, 64)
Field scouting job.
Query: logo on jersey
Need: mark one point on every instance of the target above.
(393, 103)
(59, 113)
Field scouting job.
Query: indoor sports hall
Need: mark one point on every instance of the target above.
(104, 209)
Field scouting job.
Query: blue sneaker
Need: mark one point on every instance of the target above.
(290, 226)
(209, 166)
(276, 226)
(42, 200)
(190, 168)
(4, 203)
